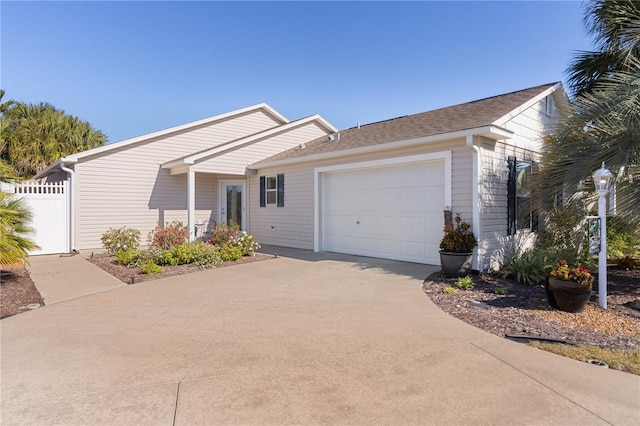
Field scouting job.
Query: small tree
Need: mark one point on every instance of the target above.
(14, 225)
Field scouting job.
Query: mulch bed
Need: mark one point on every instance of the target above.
(17, 292)
(524, 310)
(133, 275)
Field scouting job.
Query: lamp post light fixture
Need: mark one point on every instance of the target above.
(602, 180)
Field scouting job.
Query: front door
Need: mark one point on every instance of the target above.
(232, 202)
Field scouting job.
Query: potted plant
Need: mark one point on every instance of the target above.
(569, 287)
(456, 248)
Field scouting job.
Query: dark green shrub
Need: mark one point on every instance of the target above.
(116, 239)
(528, 266)
(458, 237)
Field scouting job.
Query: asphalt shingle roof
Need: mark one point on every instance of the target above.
(464, 116)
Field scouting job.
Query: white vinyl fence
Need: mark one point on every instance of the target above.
(49, 205)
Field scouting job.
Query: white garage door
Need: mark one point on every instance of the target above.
(389, 212)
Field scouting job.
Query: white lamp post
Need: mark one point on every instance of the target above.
(602, 180)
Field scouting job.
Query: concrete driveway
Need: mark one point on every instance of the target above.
(308, 339)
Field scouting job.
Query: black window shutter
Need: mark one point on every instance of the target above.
(280, 196)
(535, 196)
(511, 196)
(263, 191)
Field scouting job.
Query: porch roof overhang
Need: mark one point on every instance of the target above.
(182, 165)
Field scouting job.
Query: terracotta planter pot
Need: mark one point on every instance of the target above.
(568, 296)
(455, 265)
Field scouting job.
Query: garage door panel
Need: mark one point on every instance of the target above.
(391, 212)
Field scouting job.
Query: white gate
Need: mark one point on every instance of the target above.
(49, 205)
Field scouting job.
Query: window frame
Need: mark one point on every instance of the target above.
(521, 193)
(266, 190)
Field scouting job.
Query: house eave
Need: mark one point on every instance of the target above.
(55, 167)
(181, 165)
(490, 131)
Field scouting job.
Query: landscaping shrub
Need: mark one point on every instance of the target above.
(222, 233)
(205, 255)
(563, 234)
(180, 255)
(168, 236)
(465, 283)
(128, 257)
(230, 252)
(247, 242)
(116, 239)
(528, 266)
(150, 268)
(623, 239)
(450, 290)
(196, 253)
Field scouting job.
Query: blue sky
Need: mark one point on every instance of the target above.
(131, 68)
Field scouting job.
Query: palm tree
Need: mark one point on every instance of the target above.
(14, 230)
(615, 25)
(602, 123)
(35, 135)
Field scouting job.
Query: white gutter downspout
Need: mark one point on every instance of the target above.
(72, 205)
(475, 191)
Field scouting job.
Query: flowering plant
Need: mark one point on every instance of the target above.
(458, 238)
(579, 274)
(168, 236)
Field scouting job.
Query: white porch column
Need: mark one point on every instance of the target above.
(191, 204)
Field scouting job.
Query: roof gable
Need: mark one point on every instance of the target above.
(245, 141)
(266, 110)
(483, 113)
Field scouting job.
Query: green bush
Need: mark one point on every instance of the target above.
(247, 242)
(450, 290)
(116, 239)
(222, 233)
(465, 283)
(150, 268)
(205, 255)
(180, 255)
(230, 252)
(168, 236)
(128, 257)
(196, 253)
(623, 238)
(529, 266)
(562, 233)
(501, 291)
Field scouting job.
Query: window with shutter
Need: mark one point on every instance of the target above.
(272, 190)
(511, 196)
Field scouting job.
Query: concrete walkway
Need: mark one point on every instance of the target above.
(59, 278)
(327, 340)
